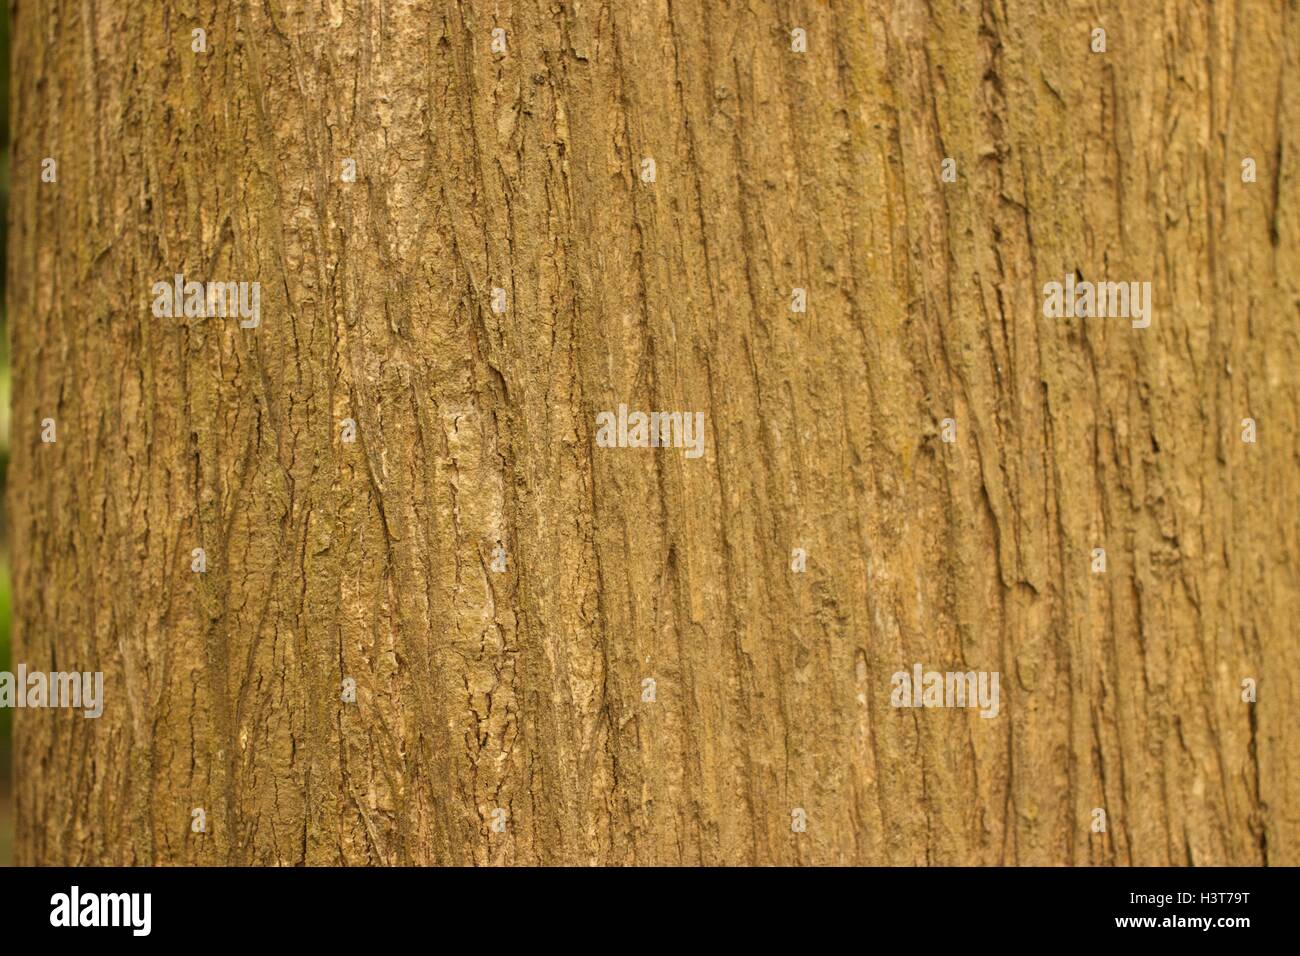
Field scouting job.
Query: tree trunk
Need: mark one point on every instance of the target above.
(651, 679)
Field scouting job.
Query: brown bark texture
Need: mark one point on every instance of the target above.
(652, 679)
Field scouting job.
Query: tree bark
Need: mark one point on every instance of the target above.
(525, 690)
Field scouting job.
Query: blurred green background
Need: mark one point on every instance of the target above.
(6, 716)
